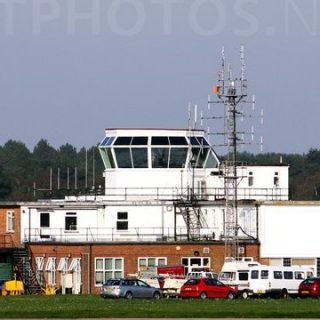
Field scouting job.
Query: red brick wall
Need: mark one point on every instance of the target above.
(131, 252)
(9, 239)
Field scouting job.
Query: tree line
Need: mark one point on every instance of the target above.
(46, 172)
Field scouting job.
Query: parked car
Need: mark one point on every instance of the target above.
(129, 289)
(206, 288)
(310, 288)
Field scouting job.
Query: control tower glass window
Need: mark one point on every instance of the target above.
(169, 152)
(123, 157)
(140, 157)
(202, 153)
(178, 157)
(105, 152)
(160, 157)
(128, 156)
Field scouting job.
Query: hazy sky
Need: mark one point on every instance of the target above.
(71, 68)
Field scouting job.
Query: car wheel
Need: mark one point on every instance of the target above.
(156, 295)
(203, 295)
(129, 295)
(244, 295)
(230, 296)
(284, 294)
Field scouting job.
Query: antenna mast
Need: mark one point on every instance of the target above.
(230, 92)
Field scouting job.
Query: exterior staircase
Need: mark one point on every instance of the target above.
(193, 217)
(25, 272)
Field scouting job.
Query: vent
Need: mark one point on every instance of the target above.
(206, 250)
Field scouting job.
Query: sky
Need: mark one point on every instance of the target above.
(71, 68)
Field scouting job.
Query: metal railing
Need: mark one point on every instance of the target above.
(138, 234)
(158, 194)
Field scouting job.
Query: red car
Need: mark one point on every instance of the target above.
(310, 288)
(207, 288)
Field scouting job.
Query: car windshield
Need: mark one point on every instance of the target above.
(227, 275)
(112, 282)
(192, 281)
(310, 281)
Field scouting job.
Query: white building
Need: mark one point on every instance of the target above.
(164, 203)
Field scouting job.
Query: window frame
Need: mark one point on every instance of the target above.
(10, 223)
(104, 270)
(147, 265)
(71, 227)
(122, 221)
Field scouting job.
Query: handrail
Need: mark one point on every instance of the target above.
(113, 235)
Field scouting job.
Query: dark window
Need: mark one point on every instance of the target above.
(122, 215)
(243, 276)
(277, 274)
(44, 220)
(160, 157)
(178, 141)
(139, 141)
(194, 141)
(202, 141)
(287, 262)
(288, 275)
(159, 141)
(122, 223)
(71, 221)
(254, 274)
(264, 274)
(140, 157)
(123, 157)
(178, 157)
(123, 141)
(193, 281)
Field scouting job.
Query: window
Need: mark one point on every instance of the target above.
(276, 179)
(287, 262)
(71, 221)
(192, 263)
(123, 157)
(277, 274)
(51, 269)
(250, 179)
(63, 264)
(44, 220)
(39, 270)
(140, 157)
(107, 268)
(299, 275)
(10, 221)
(178, 157)
(254, 274)
(122, 223)
(243, 276)
(150, 263)
(288, 275)
(264, 274)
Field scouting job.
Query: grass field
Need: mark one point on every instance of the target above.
(88, 306)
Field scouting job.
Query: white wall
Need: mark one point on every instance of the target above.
(289, 230)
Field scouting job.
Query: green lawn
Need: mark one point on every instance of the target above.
(87, 306)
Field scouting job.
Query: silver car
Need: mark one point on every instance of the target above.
(129, 289)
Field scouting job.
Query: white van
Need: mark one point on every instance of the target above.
(277, 281)
(236, 273)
